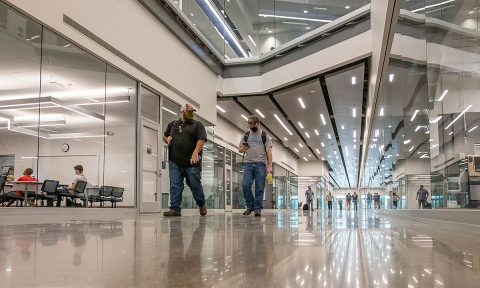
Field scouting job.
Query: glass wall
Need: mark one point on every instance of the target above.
(293, 190)
(237, 167)
(280, 186)
(425, 131)
(60, 107)
(242, 29)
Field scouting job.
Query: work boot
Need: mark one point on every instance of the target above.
(172, 213)
(203, 210)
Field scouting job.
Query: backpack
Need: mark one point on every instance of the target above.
(264, 140)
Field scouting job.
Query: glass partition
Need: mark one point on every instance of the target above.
(293, 190)
(59, 107)
(280, 186)
(244, 29)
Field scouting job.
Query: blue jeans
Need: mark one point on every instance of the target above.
(254, 171)
(194, 181)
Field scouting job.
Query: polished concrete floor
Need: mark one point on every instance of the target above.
(280, 249)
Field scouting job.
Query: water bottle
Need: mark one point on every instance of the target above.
(269, 178)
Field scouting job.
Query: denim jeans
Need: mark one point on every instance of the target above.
(194, 181)
(254, 171)
(421, 203)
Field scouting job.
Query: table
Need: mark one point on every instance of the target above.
(26, 186)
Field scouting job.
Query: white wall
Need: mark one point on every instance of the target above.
(131, 29)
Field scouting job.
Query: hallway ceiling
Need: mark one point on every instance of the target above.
(339, 100)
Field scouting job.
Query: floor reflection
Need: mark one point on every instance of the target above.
(282, 249)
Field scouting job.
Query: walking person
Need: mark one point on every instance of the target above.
(376, 201)
(340, 204)
(348, 200)
(309, 197)
(395, 199)
(369, 200)
(185, 138)
(355, 201)
(257, 149)
(422, 197)
(329, 201)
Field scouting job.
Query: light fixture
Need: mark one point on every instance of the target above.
(251, 39)
(435, 120)
(301, 102)
(244, 117)
(329, 136)
(296, 150)
(305, 11)
(473, 128)
(285, 138)
(377, 133)
(323, 120)
(411, 148)
(451, 132)
(221, 109)
(305, 158)
(316, 132)
(354, 147)
(443, 95)
(347, 7)
(283, 125)
(390, 77)
(323, 145)
(381, 112)
(343, 127)
(354, 133)
(458, 117)
(354, 80)
(294, 18)
(295, 23)
(414, 115)
(433, 5)
(407, 141)
(306, 134)
(470, 12)
(226, 28)
(300, 124)
(169, 111)
(300, 144)
(418, 128)
(320, 8)
(259, 113)
(354, 112)
(318, 151)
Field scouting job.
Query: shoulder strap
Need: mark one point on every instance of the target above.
(264, 140)
(245, 136)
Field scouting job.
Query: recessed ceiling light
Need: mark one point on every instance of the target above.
(251, 39)
(390, 77)
(347, 7)
(381, 111)
(305, 11)
(354, 112)
(259, 113)
(329, 136)
(323, 120)
(308, 27)
(318, 151)
(354, 133)
(354, 80)
(283, 125)
(306, 134)
(312, 91)
(443, 95)
(305, 158)
(301, 102)
(270, 31)
(316, 132)
(244, 117)
(285, 138)
(300, 124)
(343, 127)
(221, 109)
(296, 150)
(300, 144)
(407, 141)
(414, 115)
(411, 148)
(458, 117)
(323, 145)
(473, 128)
(470, 12)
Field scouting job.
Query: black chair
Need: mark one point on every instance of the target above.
(49, 192)
(104, 194)
(117, 196)
(79, 192)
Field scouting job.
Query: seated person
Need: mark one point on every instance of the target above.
(14, 195)
(69, 189)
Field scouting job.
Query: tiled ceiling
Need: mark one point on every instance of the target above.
(300, 108)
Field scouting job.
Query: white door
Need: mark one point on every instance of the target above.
(150, 178)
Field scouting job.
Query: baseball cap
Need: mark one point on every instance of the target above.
(187, 106)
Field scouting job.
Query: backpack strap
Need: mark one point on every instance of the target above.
(245, 139)
(264, 140)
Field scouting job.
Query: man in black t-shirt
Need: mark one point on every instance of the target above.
(185, 138)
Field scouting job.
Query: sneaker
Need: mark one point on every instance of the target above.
(258, 213)
(203, 210)
(172, 213)
(247, 212)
